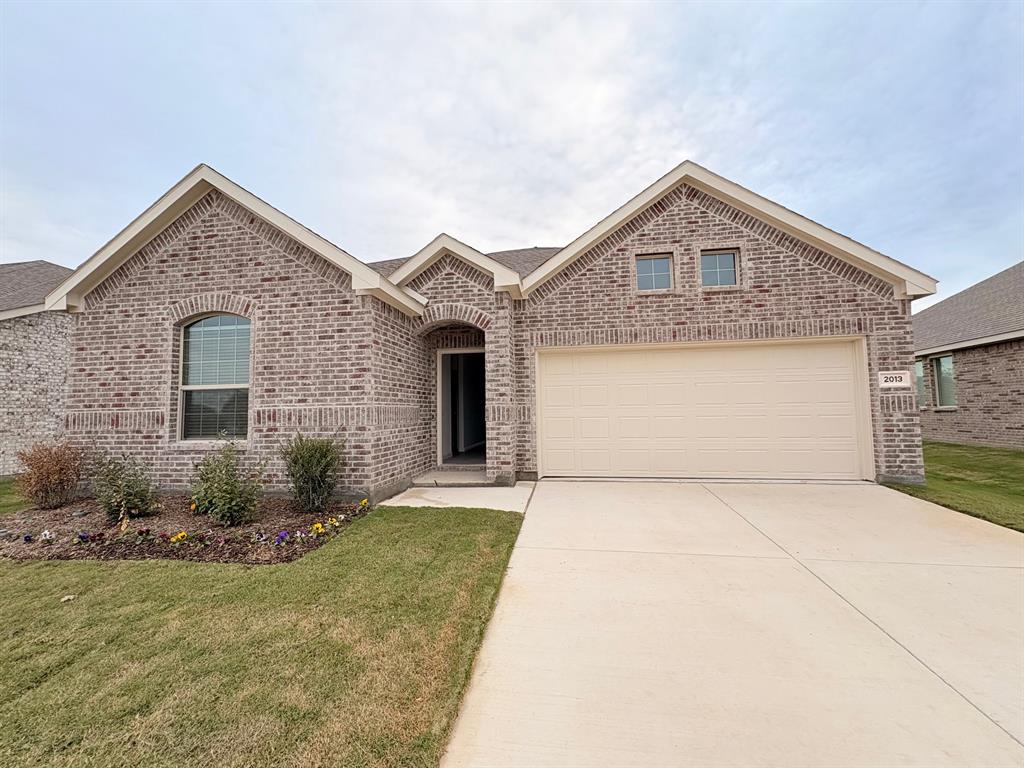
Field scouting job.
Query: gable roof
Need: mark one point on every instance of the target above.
(505, 279)
(24, 285)
(989, 311)
(518, 271)
(907, 281)
(519, 260)
(181, 197)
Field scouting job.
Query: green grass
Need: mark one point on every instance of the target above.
(356, 655)
(983, 482)
(10, 499)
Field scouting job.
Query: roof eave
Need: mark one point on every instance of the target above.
(504, 278)
(907, 282)
(31, 309)
(180, 198)
(981, 341)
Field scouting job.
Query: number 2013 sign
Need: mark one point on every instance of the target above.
(894, 379)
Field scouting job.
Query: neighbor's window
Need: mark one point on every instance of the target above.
(653, 273)
(919, 374)
(718, 268)
(215, 378)
(945, 387)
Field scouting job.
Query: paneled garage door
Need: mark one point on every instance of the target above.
(754, 410)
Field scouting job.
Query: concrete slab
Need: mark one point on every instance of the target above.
(452, 477)
(965, 622)
(513, 499)
(639, 517)
(698, 651)
(869, 523)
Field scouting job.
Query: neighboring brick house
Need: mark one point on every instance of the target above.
(970, 364)
(34, 348)
(699, 330)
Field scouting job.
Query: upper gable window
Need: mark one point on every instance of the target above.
(653, 273)
(718, 268)
(215, 378)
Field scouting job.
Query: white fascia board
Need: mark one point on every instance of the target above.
(505, 279)
(979, 342)
(180, 198)
(32, 309)
(907, 281)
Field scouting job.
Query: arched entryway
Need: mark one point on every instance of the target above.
(457, 350)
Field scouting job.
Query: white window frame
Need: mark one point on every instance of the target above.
(183, 387)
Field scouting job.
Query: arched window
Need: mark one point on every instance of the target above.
(215, 378)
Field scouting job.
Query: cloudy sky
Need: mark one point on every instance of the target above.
(380, 125)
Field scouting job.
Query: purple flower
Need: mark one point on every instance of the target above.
(281, 538)
(83, 536)
(28, 538)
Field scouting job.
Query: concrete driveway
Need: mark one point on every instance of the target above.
(721, 624)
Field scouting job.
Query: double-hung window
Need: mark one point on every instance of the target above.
(945, 386)
(215, 378)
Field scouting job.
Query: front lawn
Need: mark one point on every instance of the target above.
(983, 482)
(10, 499)
(355, 655)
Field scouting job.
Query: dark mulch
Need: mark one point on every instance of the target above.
(149, 537)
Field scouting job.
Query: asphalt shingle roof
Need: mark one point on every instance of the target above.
(992, 307)
(521, 260)
(26, 283)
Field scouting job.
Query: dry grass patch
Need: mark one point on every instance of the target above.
(356, 655)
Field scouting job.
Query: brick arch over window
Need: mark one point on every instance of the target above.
(206, 303)
(437, 315)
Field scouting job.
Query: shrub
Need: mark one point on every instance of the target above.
(124, 489)
(312, 465)
(52, 473)
(221, 491)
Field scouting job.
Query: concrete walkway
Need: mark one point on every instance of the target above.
(674, 624)
(512, 499)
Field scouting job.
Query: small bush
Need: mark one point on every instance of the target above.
(312, 465)
(221, 491)
(52, 473)
(124, 489)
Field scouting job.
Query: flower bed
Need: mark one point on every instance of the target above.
(280, 531)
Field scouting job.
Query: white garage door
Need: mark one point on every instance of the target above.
(794, 410)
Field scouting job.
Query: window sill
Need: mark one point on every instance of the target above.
(944, 408)
(721, 288)
(654, 292)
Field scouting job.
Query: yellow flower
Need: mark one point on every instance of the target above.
(332, 521)
(317, 529)
(193, 507)
(364, 502)
(179, 536)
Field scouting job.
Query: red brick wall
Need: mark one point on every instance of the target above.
(989, 398)
(787, 289)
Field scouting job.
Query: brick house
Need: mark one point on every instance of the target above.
(34, 348)
(700, 330)
(970, 364)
